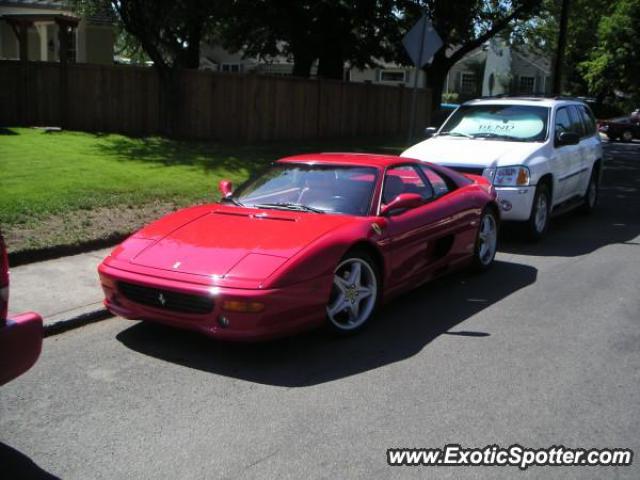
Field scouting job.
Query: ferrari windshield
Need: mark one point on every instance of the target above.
(519, 123)
(311, 188)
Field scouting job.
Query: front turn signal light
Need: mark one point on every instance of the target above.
(523, 177)
(242, 307)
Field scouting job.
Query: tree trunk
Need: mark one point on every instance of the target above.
(562, 42)
(302, 62)
(331, 64)
(436, 76)
(169, 83)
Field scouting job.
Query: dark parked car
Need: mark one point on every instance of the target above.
(621, 128)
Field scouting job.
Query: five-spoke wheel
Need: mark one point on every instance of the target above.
(354, 294)
(487, 240)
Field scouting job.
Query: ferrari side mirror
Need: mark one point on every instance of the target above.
(226, 188)
(404, 201)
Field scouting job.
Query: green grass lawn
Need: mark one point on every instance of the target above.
(73, 187)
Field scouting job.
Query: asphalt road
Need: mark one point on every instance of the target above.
(542, 350)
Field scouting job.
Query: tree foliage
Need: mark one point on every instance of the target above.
(331, 32)
(169, 31)
(464, 25)
(613, 66)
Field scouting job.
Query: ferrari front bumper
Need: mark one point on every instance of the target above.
(285, 311)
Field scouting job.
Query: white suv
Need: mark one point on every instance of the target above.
(543, 155)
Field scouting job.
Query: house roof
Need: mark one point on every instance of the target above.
(50, 4)
(102, 16)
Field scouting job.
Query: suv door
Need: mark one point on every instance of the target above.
(590, 147)
(566, 159)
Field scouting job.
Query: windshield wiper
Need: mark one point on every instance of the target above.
(232, 200)
(498, 135)
(289, 206)
(456, 134)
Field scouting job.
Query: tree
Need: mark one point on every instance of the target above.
(614, 64)
(541, 35)
(463, 25)
(169, 32)
(331, 32)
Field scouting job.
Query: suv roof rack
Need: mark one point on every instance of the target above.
(533, 97)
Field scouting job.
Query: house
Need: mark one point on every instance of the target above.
(91, 38)
(492, 69)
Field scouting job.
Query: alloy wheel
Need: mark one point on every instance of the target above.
(488, 239)
(354, 294)
(542, 213)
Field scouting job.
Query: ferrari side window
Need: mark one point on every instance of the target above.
(438, 183)
(404, 179)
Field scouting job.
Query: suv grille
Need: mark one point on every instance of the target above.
(166, 299)
(471, 170)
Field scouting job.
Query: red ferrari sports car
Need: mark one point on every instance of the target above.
(21, 335)
(318, 239)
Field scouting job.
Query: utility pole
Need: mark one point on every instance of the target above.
(562, 43)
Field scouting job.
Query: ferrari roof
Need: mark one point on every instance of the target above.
(339, 158)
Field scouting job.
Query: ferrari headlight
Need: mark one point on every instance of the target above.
(511, 176)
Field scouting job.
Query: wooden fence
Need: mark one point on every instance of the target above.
(219, 106)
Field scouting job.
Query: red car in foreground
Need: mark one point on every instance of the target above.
(319, 239)
(20, 335)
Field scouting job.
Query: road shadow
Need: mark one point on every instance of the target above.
(616, 220)
(402, 329)
(16, 465)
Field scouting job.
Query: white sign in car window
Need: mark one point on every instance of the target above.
(519, 126)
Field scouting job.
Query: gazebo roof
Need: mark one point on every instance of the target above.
(40, 17)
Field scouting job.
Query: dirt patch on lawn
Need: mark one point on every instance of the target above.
(79, 230)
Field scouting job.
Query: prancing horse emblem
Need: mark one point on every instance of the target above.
(162, 300)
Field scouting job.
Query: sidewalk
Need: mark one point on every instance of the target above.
(65, 291)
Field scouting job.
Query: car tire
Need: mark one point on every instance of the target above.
(627, 136)
(486, 241)
(354, 294)
(540, 213)
(592, 194)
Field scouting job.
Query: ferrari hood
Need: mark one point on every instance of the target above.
(255, 242)
(464, 152)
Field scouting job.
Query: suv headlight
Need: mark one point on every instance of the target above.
(509, 176)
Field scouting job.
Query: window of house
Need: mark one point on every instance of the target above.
(468, 84)
(393, 76)
(231, 67)
(526, 85)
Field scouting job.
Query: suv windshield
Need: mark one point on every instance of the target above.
(311, 188)
(520, 123)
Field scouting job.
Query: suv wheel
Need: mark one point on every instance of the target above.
(591, 195)
(540, 213)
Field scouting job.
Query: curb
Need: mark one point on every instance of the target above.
(78, 321)
(25, 257)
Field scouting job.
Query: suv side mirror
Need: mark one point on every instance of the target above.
(568, 138)
(225, 187)
(430, 132)
(404, 201)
